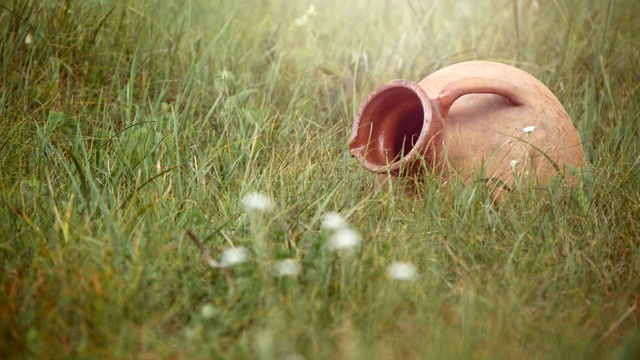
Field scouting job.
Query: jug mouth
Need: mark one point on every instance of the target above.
(391, 127)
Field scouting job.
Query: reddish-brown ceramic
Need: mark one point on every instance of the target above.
(481, 120)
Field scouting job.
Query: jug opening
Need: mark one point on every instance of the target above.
(391, 122)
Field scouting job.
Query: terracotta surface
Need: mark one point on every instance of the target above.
(466, 119)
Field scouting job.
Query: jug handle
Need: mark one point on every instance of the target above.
(452, 92)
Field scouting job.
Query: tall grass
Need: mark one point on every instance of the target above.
(126, 125)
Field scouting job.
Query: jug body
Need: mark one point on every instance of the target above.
(477, 120)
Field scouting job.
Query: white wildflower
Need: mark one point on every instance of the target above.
(287, 267)
(308, 15)
(402, 271)
(345, 239)
(513, 164)
(333, 221)
(256, 202)
(208, 311)
(233, 256)
(192, 331)
(529, 129)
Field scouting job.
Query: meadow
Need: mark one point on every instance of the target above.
(175, 183)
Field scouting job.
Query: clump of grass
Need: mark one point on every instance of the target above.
(130, 129)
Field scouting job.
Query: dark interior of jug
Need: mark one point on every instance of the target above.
(391, 124)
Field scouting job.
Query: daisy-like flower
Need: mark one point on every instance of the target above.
(513, 164)
(402, 271)
(257, 202)
(344, 239)
(529, 129)
(308, 15)
(333, 221)
(233, 256)
(287, 267)
(28, 39)
(208, 311)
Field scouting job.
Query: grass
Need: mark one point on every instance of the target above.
(124, 125)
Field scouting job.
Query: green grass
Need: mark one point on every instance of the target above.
(125, 124)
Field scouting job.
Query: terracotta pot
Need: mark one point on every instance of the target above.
(478, 119)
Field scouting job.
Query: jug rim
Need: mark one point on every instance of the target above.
(362, 139)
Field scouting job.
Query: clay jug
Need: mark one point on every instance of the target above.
(477, 119)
